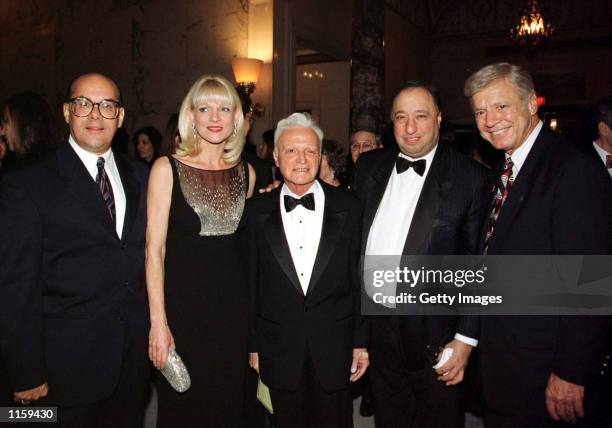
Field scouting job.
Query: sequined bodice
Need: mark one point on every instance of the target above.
(216, 196)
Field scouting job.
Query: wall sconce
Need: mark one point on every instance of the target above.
(246, 72)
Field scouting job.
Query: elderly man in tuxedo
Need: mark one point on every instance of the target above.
(74, 318)
(549, 198)
(308, 339)
(423, 199)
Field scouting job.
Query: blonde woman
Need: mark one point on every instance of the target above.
(197, 293)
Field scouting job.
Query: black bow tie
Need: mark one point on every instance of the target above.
(307, 201)
(403, 164)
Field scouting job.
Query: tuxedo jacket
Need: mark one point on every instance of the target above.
(72, 294)
(560, 203)
(447, 220)
(285, 322)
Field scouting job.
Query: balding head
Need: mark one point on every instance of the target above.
(75, 82)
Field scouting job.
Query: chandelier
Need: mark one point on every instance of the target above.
(531, 28)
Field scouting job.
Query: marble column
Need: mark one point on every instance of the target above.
(367, 65)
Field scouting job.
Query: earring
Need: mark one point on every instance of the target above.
(235, 131)
(195, 133)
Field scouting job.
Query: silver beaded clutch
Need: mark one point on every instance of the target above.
(176, 373)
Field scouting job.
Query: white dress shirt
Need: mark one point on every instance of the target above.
(520, 155)
(90, 160)
(392, 221)
(303, 231)
(602, 154)
(391, 224)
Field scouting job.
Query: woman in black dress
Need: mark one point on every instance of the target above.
(197, 291)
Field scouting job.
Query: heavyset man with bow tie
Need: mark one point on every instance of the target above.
(307, 339)
(425, 199)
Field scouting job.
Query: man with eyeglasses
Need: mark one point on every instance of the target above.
(74, 314)
(363, 140)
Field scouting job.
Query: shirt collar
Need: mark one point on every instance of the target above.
(89, 158)
(601, 151)
(520, 155)
(314, 188)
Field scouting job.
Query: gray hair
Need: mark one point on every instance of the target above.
(514, 74)
(297, 120)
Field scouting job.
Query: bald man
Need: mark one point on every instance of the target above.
(74, 314)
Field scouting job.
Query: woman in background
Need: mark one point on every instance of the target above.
(29, 127)
(147, 142)
(333, 163)
(195, 280)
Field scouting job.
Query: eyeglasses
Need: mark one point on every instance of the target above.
(83, 106)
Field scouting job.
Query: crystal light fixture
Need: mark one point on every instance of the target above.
(531, 29)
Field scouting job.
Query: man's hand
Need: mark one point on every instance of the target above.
(254, 361)
(270, 186)
(564, 399)
(452, 372)
(26, 397)
(361, 361)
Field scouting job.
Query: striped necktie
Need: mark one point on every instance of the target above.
(105, 188)
(501, 193)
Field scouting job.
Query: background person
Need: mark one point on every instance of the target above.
(147, 142)
(30, 128)
(333, 169)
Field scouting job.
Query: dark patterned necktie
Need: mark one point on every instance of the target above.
(307, 201)
(105, 188)
(608, 161)
(501, 193)
(403, 164)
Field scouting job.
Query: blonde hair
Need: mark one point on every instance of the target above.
(514, 74)
(210, 88)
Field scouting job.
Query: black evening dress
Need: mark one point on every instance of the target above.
(206, 297)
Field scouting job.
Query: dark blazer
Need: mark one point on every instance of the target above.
(284, 321)
(72, 294)
(560, 203)
(447, 220)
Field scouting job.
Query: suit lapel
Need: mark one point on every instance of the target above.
(275, 234)
(131, 188)
(380, 178)
(333, 222)
(521, 187)
(434, 191)
(83, 187)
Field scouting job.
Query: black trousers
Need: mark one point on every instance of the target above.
(310, 405)
(404, 396)
(126, 405)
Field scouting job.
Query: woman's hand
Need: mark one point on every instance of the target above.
(160, 341)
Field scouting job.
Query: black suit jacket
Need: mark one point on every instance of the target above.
(284, 321)
(559, 204)
(72, 294)
(447, 220)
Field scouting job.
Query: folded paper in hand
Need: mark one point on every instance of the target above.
(263, 395)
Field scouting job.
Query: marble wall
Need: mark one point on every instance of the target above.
(154, 49)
